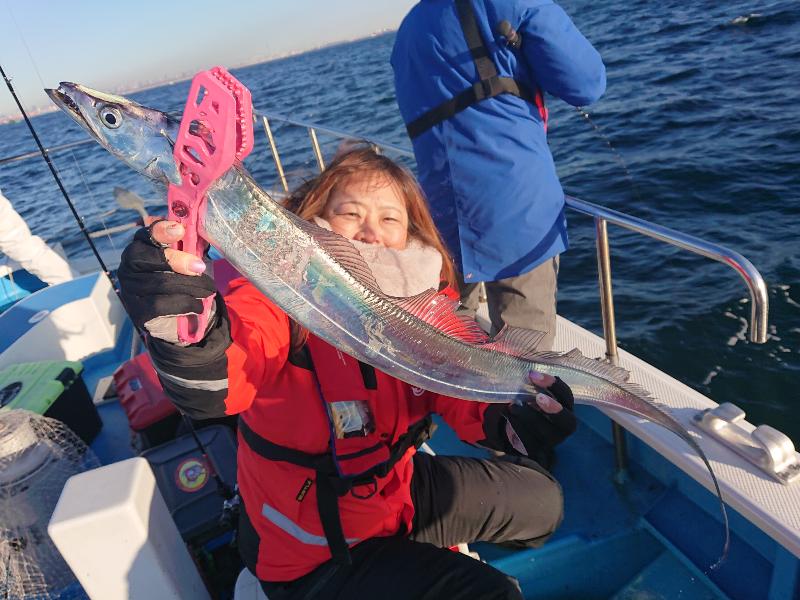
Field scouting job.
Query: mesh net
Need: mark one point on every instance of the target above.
(37, 456)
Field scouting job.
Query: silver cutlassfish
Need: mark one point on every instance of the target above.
(321, 281)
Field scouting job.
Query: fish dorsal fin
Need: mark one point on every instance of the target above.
(342, 251)
(517, 341)
(575, 359)
(523, 343)
(439, 311)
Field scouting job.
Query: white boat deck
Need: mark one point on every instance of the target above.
(769, 504)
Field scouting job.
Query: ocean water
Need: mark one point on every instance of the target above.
(699, 131)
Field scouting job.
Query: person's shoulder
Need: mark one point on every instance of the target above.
(526, 9)
(241, 287)
(407, 24)
(518, 12)
(445, 289)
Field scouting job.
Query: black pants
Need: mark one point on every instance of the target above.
(506, 500)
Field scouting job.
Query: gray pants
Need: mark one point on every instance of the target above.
(527, 300)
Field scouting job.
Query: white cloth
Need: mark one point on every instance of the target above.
(400, 273)
(30, 251)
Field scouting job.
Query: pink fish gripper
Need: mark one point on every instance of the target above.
(216, 130)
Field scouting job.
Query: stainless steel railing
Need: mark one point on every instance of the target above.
(752, 278)
(602, 216)
(51, 150)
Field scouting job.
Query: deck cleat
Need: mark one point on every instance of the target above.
(765, 447)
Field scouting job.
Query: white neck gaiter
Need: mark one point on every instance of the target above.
(400, 273)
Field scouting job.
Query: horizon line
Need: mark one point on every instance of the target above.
(36, 111)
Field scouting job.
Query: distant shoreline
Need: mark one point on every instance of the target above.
(43, 110)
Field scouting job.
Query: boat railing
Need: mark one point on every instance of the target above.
(756, 286)
(51, 150)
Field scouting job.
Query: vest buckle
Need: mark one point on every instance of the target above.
(372, 488)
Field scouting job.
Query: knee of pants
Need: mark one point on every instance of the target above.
(539, 502)
(553, 499)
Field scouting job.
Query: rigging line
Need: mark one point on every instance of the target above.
(25, 44)
(61, 187)
(599, 131)
(101, 216)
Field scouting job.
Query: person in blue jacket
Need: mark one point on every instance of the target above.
(469, 78)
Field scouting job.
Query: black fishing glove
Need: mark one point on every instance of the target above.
(153, 294)
(194, 375)
(527, 429)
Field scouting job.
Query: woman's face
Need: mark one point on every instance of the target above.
(370, 210)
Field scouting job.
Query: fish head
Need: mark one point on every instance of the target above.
(141, 137)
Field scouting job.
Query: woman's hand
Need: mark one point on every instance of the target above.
(533, 428)
(166, 233)
(158, 283)
(545, 421)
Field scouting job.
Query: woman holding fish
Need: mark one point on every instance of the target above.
(337, 503)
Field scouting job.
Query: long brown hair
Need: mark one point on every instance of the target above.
(359, 161)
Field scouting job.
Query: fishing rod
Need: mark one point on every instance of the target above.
(26, 155)
(61, 187)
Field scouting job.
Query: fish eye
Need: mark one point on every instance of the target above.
(110, 116)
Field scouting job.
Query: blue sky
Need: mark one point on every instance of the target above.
(113, 45)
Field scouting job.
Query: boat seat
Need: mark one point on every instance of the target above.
(248, 588)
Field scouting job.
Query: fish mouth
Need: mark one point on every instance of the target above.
(62, 98)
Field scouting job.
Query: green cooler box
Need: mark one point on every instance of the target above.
(54, 389)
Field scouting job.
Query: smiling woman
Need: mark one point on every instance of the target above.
(367, 197)
(313, 415)
(370, 210)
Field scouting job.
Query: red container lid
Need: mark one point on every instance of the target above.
(141, 394)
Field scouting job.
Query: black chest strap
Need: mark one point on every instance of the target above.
(330, 484)
(489, 85)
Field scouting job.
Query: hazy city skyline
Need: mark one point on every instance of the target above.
(126, 47)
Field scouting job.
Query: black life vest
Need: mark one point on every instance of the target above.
(489, 84)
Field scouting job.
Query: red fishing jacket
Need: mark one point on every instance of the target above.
(290, 410)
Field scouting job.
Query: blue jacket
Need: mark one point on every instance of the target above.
(487, 171)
